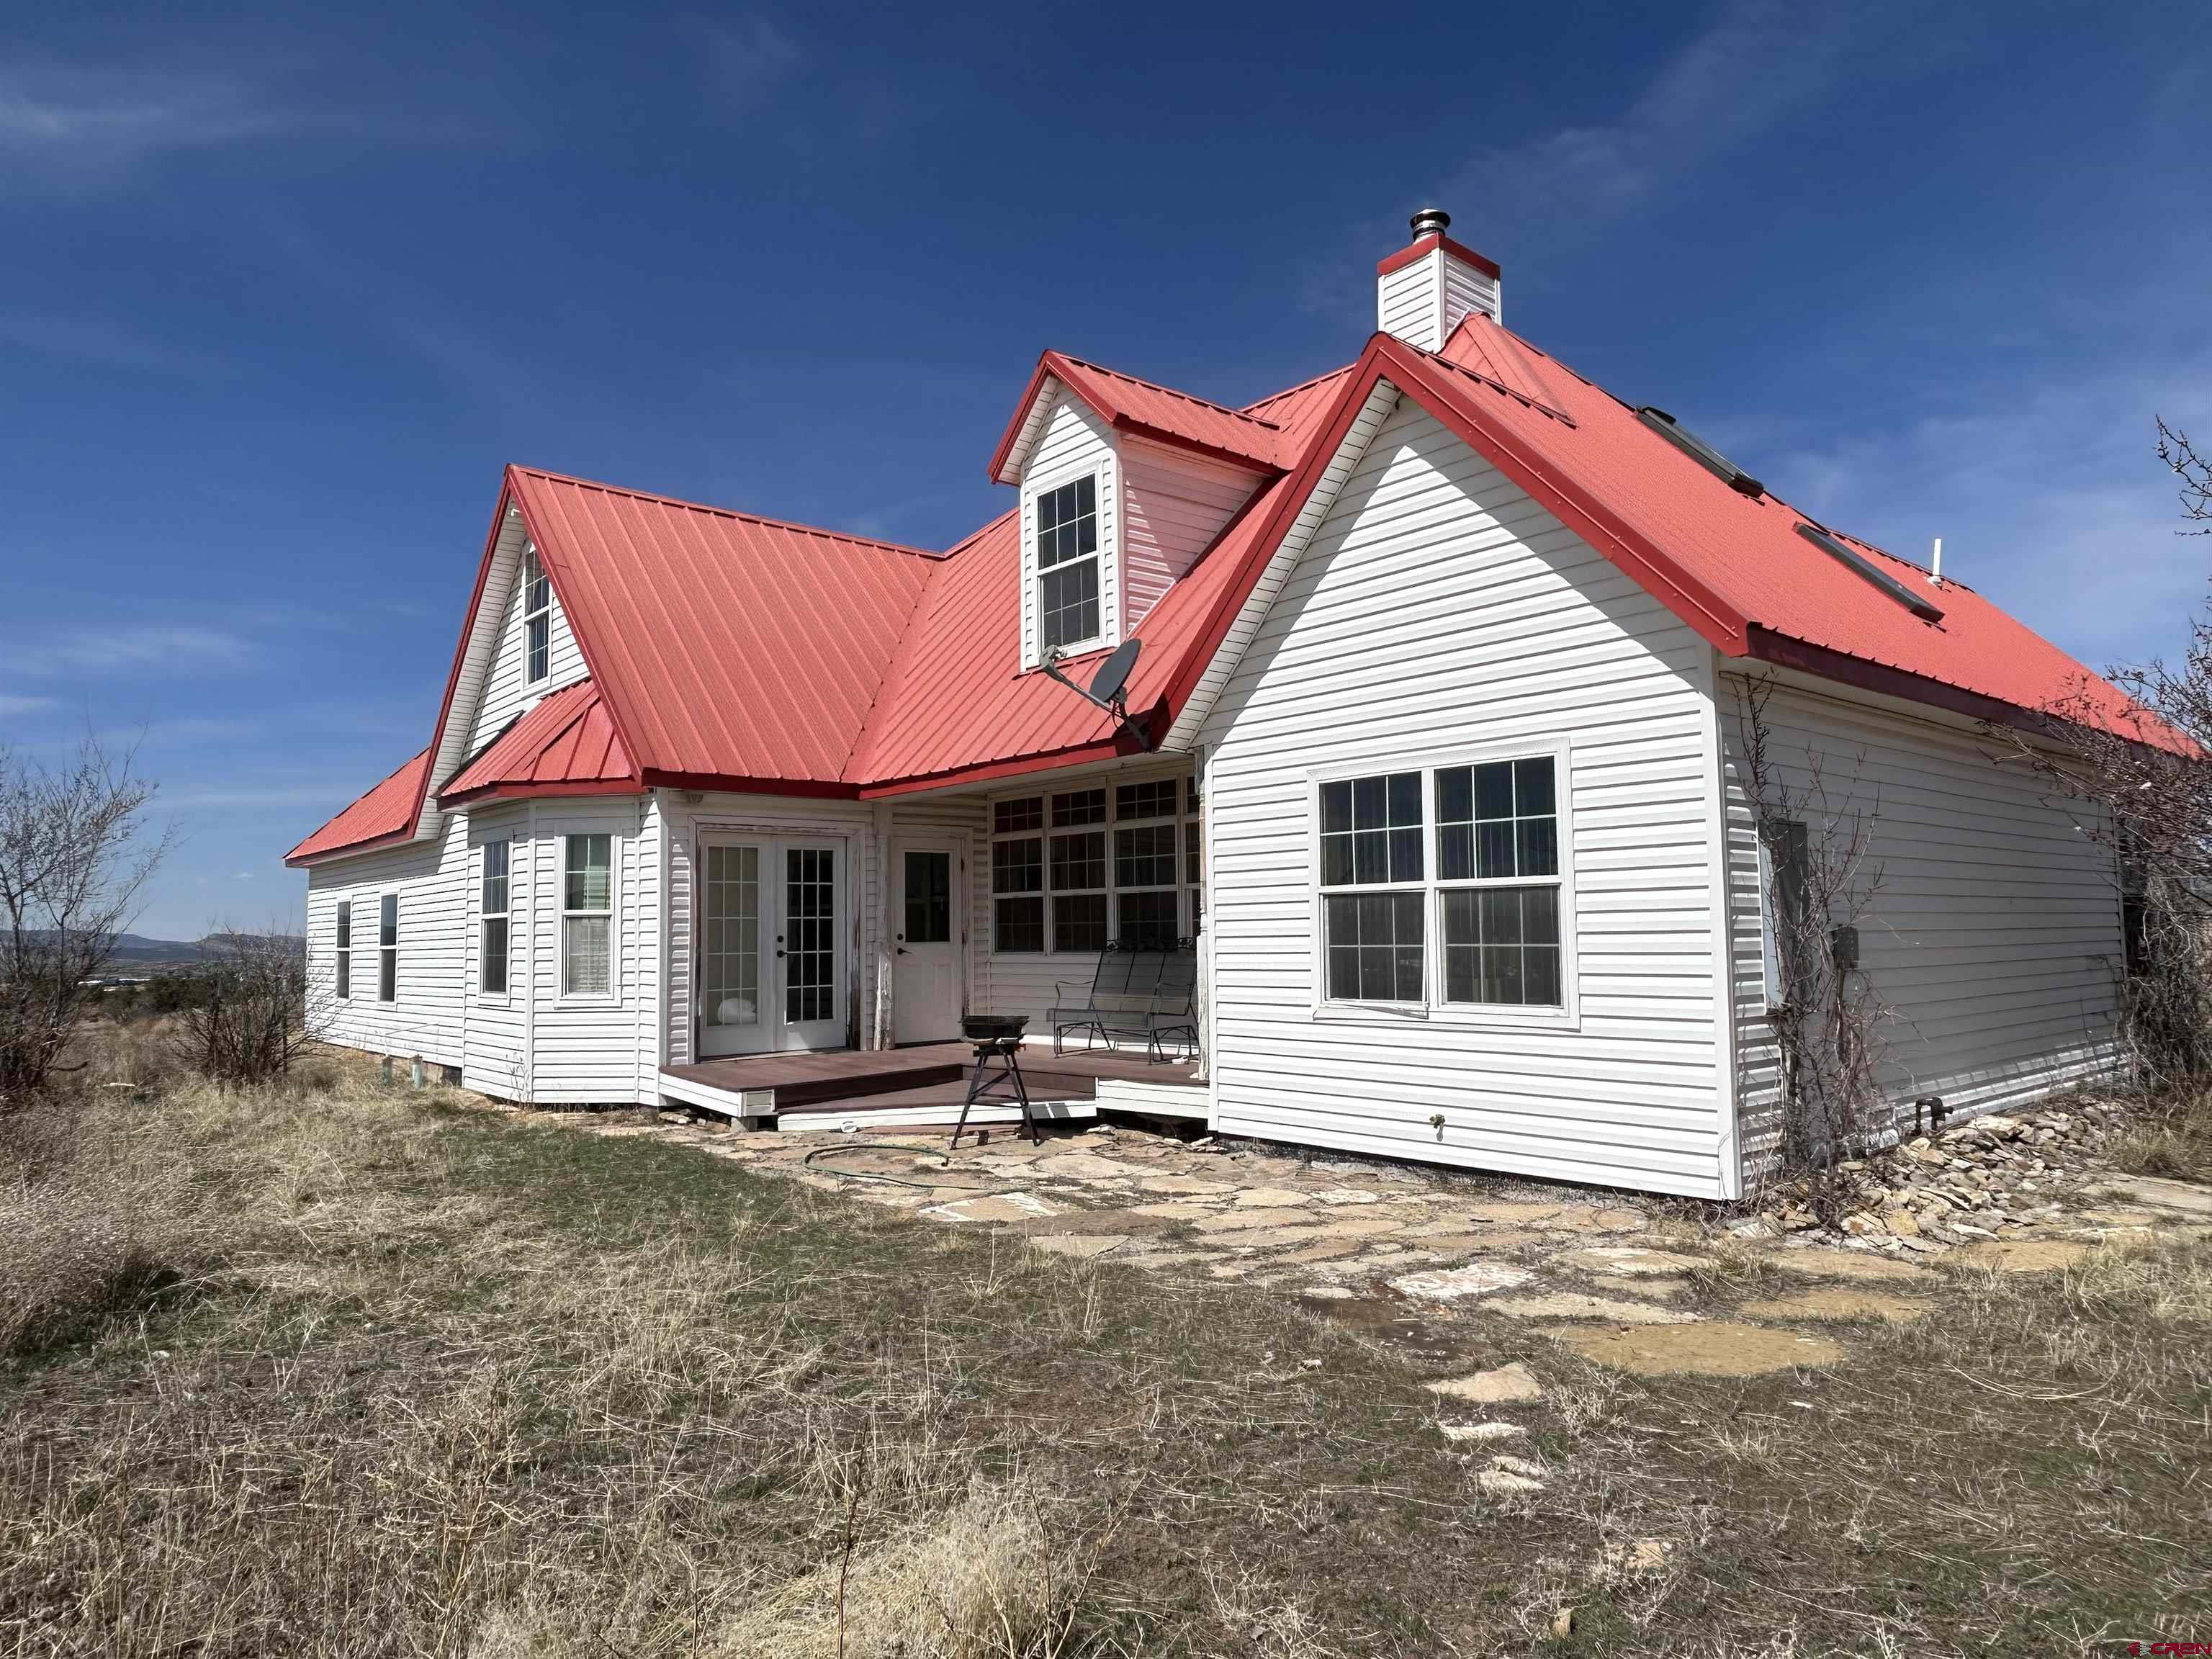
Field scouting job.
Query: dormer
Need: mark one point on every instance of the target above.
(1425, 289)
(1124, 484)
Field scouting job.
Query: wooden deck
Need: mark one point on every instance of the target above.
(926, 1084)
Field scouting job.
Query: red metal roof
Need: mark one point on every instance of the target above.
(1153, 411)
(727, 647)
(1744, 552)
(385, 813)
(566, 745)
(729, 650)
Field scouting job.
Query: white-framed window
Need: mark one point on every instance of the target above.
(587, 920)
(1443, 886)
(1194, 853)
(1076, 858)
(1017, 875)
(1069, 876)
(491, 923)
(345, 949)
(387, 949)
(1069, 567)
(537, 618)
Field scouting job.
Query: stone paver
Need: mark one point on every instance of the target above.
(1498, 1386)
(1084, 1247)
(1451, 1284)
(1426, 1256)
(1709, 1349)
(1573, 1304)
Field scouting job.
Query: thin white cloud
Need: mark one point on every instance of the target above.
(243, 875)
(12, 707)
(1752, 64)
(160, 649)
(745, 60)
(2046, 492)
(67, 117)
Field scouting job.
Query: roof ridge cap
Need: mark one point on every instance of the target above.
(1171, 391)
(793, 525)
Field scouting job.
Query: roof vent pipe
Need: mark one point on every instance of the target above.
(1431, 221)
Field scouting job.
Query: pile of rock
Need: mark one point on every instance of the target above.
(1992, 1176)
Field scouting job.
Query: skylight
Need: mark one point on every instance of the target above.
(1918, 605)
(1700, 452)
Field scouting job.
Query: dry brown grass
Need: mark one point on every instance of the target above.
(449, 1384)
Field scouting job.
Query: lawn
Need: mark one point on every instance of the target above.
(334, 1370)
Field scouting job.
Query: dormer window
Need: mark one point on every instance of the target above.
(1067, 564)
(536, 616)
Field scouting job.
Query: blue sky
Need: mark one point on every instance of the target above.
(283, 291)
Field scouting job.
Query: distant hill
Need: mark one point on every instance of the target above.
(137, 950)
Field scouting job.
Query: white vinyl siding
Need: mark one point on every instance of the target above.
(507, 688)
(1438, 608)
(1994, 933)
(429, 879)
(1423, 303)
(529, 1045)
(1174, 504)
(1075, 443)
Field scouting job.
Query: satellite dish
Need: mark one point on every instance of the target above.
(1114, 673)
(1106, 687)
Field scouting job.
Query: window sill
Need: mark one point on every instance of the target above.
(1490, 1018)
(580, 1003)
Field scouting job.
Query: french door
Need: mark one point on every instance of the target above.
(770, 965)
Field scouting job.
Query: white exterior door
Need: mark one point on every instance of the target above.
(925, 944)
(771, 946)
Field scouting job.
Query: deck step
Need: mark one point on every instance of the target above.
(892, 1080)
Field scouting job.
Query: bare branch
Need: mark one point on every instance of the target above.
(74, 855)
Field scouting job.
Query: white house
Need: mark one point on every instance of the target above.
(1433, 755)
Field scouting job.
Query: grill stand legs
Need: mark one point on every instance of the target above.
(988, 1082)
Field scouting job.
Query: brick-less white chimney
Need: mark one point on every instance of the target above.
(1423, 291)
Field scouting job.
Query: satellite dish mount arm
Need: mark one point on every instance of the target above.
(1108, 687)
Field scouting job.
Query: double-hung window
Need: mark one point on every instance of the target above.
(1443, 886)
(1018, 874)
(1146, 863)
(1068, 564)
(1497, 872)
(387, 949)
(345, 948)
(536, 616)
(587, 916)
(1078, 870)
(491, 974)
(1374, 905)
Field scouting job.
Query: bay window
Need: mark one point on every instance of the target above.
(1443, 886)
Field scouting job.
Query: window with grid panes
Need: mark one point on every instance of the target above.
(1067, 564)
(1498, 874)
(1374, 897)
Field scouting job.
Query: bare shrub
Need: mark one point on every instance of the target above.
(256, 1011)
(73, 856)
(1818, 883)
